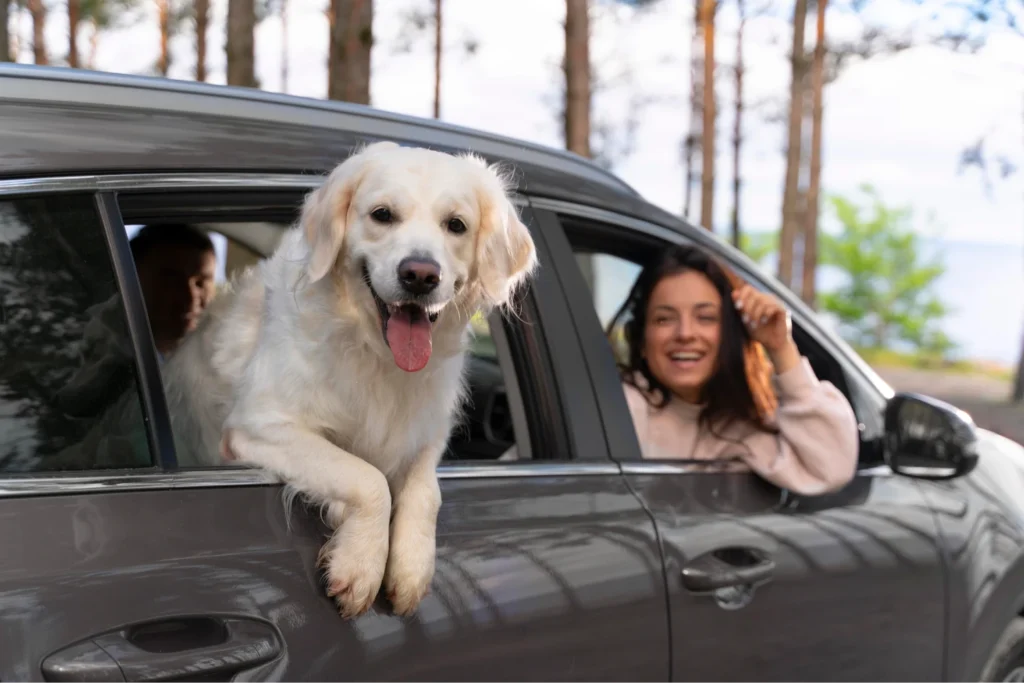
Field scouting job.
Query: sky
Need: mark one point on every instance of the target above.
(899, 122)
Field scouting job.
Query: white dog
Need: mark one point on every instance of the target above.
(337, 363)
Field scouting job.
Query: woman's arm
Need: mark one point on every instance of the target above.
(817, 448)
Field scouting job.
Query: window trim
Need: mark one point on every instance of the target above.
(859, 381)
(165, 474)
(147, 369)
(863, 374)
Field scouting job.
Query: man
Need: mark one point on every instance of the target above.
(177, 267)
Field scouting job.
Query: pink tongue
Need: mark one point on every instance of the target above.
(408, 335)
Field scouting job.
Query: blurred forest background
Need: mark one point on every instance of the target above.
(867, 152)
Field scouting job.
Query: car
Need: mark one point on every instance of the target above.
(561, 553)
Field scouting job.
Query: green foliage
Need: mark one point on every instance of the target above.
(759, 245)
(888, 295)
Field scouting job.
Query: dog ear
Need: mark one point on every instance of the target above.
(325, 211)
(506, 254)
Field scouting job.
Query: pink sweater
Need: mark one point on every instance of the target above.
(815, 451)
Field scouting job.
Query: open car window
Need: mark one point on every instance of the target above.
(245, 227)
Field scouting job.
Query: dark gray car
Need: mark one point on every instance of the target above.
(562, 554)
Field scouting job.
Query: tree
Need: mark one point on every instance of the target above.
(791, 191)
(74, 20)
(888, 294)
(737, 127)
(691, 144)
(348, 63)
(438, 48)
(577, 77)
(241, 27)
(37, 8)
(707, 199)
(201, 23)
(810, 251)
(5, 39)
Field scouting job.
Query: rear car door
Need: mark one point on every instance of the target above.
(846, 586)
(119, 564)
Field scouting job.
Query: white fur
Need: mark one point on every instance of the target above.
(289, 369)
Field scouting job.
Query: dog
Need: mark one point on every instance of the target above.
(337, 363)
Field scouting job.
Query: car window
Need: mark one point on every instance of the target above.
(68, 390)
(486, 431)
(609, 259)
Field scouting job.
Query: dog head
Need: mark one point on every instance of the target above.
(419, 240)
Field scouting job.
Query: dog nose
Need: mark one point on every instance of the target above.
(419, 276)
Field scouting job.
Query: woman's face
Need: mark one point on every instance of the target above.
(683, 332)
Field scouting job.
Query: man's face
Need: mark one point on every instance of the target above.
(177, 283)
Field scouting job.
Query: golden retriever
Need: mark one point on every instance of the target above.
(337, 363)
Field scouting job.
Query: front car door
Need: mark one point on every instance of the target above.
(118, 562)
(857, 590)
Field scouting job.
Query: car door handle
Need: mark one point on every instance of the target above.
(727, 567)
(171, 649)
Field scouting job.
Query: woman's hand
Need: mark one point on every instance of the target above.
(769, 323)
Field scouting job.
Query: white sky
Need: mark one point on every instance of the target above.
(898, 122)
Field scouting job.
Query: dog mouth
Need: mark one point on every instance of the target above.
(406, 327)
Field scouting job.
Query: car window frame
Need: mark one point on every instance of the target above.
(865, 386)
(541, 352)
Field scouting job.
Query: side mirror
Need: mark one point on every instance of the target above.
(928, 439)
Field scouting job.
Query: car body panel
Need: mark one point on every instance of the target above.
(856, 594)
(530, 581)
(981, 516)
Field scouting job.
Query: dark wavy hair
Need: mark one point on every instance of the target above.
(739, 388)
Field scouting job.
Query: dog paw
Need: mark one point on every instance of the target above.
(410, 570)
(354, 561)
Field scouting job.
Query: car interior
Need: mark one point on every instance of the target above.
(589, 237)
(251, 227)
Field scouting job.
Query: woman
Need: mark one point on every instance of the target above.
(702, 349)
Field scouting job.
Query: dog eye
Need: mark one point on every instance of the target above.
(382, 215)
(456, 226)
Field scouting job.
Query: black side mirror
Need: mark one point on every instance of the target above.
(928, 439)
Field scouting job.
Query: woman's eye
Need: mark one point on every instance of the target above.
(382, 215)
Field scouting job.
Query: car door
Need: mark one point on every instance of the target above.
(119, 564)
(764, 584)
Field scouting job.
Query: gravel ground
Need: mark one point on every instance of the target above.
(985, 398)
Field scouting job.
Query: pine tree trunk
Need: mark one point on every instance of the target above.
(577, 77)
(438, 46)
(94, 44)
(707, 180)
(38, 11)
(692, 143)
(737, 130)
(74, 21)
(241, 26)
(163, 64)
(5, 39)
(284, 46)
(810, 265)
(348, 72)
(202, 20)
(790, 196)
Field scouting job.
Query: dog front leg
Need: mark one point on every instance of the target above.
(356, 493)
(417, 500)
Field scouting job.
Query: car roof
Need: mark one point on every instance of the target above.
(59, 121)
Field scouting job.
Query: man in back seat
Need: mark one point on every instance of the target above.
(176, 266)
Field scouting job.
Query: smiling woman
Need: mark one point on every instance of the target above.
(701, 351)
